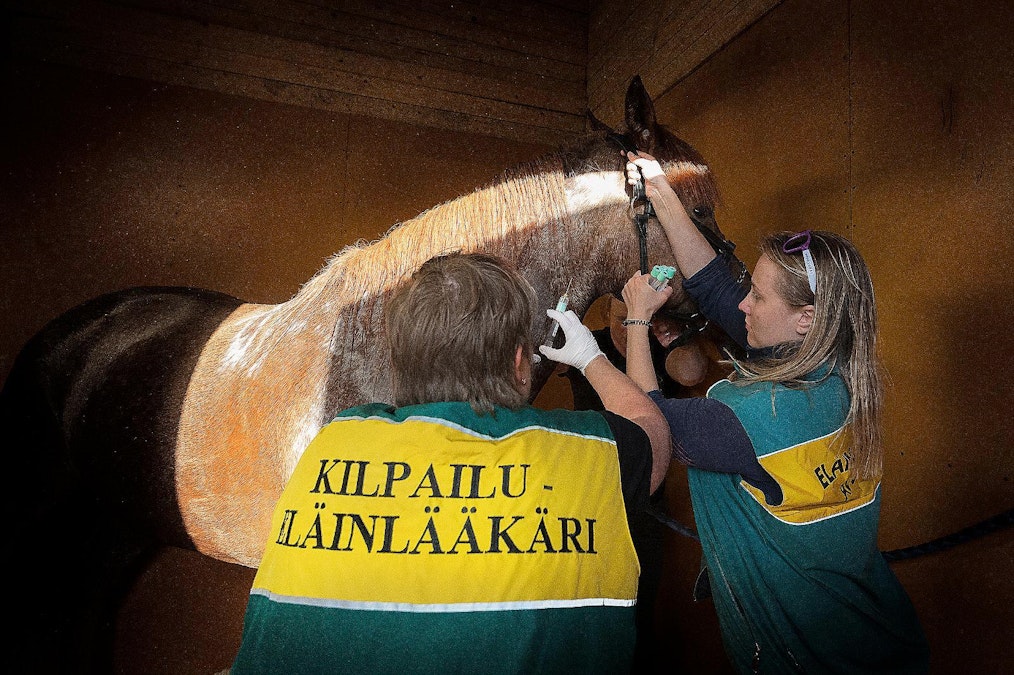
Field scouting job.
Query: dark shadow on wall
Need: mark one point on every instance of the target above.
(975, 331)
(168, 626)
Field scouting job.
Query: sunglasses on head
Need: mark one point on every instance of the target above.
(800, 243)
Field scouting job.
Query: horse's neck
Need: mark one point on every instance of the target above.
(540, 220)
(511, 219)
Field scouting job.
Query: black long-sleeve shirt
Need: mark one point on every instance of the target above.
(706, 433)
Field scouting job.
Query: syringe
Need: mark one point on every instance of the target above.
(561, 306)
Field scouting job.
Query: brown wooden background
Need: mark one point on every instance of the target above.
(236, 145)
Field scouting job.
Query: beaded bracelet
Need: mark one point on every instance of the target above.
(636, 322)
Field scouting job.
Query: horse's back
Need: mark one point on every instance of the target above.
(89, 414)
(98, 390)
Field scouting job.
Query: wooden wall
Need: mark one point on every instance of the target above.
(520, 69)
(891, 123)
(661, 40)
(505, 69)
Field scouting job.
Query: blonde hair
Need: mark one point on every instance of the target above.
(843, 335)
(454, 330)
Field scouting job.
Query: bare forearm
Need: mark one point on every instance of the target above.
(640, 368)
(691, 249)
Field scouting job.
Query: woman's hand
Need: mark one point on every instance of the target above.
(579, 348)
(691, 250)
(654, 177)
(641, 299)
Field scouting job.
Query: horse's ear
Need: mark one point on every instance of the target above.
(639, 115)
(595, 124)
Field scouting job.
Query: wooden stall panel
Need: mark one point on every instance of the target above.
(660, 40)
(892, 124)
(770, 115)
(512, 71)
(933, 167)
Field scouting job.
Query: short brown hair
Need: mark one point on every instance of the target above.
(454, 330)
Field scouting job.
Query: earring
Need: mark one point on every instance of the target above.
(524, 381)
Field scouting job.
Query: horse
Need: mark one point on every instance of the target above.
(165, 416)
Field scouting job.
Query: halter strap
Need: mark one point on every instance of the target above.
(639, 195)
(698, 214)
(693, 323)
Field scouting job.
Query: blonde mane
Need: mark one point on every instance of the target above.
(496, 218)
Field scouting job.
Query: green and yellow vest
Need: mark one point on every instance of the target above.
(431, 539)
(801, 586)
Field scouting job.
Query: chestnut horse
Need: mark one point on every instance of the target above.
(173, 416)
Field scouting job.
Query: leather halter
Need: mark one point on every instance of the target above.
(695, 322)
(639, 196)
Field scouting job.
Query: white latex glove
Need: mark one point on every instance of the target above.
(649, 166)
(579, 348)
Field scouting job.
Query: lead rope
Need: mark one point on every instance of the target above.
(982, 528)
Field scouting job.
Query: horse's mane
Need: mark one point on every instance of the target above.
(497, 218)
(494, 218)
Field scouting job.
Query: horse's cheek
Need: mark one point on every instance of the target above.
(687, 364)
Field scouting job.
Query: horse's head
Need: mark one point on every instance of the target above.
(686, 171)
(596, 247)
(600, 248)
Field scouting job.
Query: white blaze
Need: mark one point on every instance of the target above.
(594, 190)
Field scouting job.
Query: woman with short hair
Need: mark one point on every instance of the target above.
(460, 529)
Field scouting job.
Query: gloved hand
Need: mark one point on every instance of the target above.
(579, 348)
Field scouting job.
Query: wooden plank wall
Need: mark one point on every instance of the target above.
(526, 70)
(891, 123)
(509, 69)
(663, 41)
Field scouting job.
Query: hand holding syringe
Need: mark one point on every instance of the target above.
(580, 347)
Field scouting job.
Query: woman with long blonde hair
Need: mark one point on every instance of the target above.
(785, 456)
